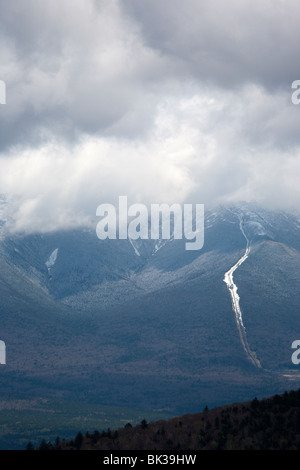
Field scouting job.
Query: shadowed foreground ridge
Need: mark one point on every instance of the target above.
(272, 423)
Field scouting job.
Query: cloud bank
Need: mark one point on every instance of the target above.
(162, 102)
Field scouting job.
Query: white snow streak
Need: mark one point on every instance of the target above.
(52, 259)
(135, 249)
(235, 299)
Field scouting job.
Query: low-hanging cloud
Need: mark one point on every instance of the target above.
(163, 103)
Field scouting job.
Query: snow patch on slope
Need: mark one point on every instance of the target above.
(52, 259)
(135, 249)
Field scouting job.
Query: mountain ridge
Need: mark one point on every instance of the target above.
(96, 322)
(269, 424)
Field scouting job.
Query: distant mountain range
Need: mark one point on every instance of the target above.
(146, 323)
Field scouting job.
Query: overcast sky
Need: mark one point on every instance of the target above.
(162, 101)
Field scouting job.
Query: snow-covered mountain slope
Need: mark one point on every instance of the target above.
(88, 274)
(150, 310)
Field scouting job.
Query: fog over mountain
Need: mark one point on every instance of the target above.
(161, 102)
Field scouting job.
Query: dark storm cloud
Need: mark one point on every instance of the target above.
(162, 101)
(227, 43)
(74, 67)
(103, 67)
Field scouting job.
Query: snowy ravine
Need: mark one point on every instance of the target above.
(235, 299)
(51, 260)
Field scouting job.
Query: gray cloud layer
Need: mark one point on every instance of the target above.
(162, 101)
